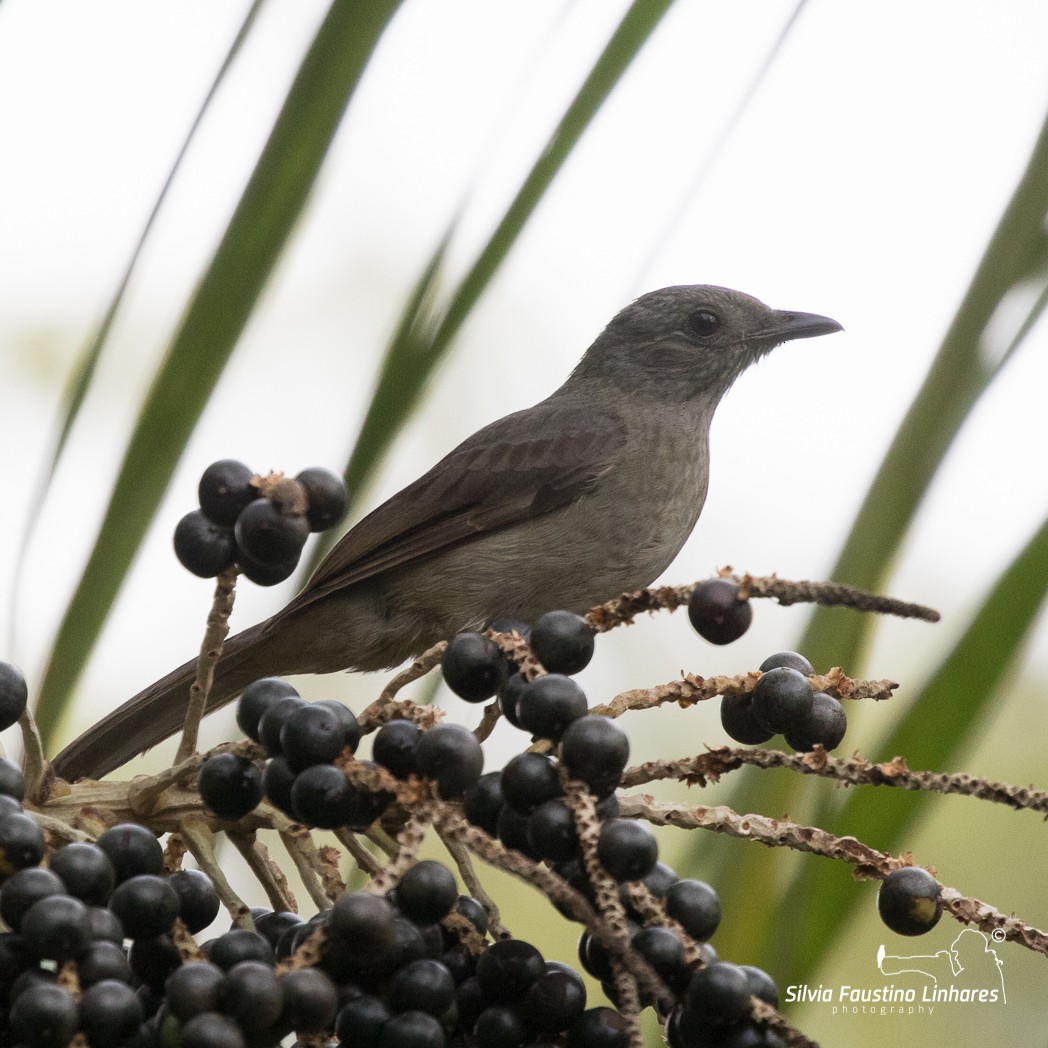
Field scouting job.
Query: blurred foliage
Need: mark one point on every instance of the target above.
(223, 302)
(1015, 260)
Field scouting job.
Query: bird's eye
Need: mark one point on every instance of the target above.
(703, 323)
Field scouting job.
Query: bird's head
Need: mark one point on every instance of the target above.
(690, 340)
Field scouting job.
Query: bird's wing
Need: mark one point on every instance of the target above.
(517, 468)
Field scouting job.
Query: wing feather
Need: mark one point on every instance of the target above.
(522, 466)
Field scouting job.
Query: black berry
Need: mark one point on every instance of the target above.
(13, 694)
(825, 724)
(326, 497)
(717, 613)
(229, 785)
(562, 641)
(203, 547)
(548, 704)
(740, 722)
(474, 668)
(451, 755)
(595, 749)
(782, 699)
(256, 699)
(225, 489)
(910, 901)
(627, 849)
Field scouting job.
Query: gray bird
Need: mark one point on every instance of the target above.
(589, 494)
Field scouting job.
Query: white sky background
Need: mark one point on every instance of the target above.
(863, 183)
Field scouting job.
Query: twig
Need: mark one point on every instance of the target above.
(361, 856)
(609, 905)
(854, 771)
(266, 871)
(692, 688)
(201, 843)
(460, 854)
(623, 610)
(868, 862)
(430, 658)
(298, 842)
(36, 769)
(143, 793)
(409, 840)
(210, 650)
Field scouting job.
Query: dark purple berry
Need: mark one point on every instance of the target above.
(627, 849)
(790, 659)
(394, 747)
(825, 725)
(110, 1012)
(508, 967)
(427, 892)
(272, 721)
(229, 785)
(256, 699)
(268, 535)
(132, 849)
(363, 923)
(717, 613)
(322, 796)
(562, 641)
(528, 780)
(719, 994)
(147, 905)
(225, 489)
(360, 1021)
(474, 667)
(599, 1028)
(782, 699)
(483, 801)
(326, 497)
(762, 985)
(424, 985)
(21, 842)
(198, 902)
(548, 704)
(315, 734)
(452, 755)
(24, 888)
(551, 831)
(740, 722)
(56, 928)
(86, 872)
(14, 695)
(310, 1000)
(193, 989)
(595, 749)
(44, 1016)
(695, 906)
(203, 547)
(509, 697)
(910, 901)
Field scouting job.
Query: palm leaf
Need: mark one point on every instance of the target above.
(960, 373)
(211, 325)
(427, 328)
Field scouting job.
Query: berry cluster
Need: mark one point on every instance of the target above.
(259, 524)
(783, 701)
(64, 963)
(524, 807)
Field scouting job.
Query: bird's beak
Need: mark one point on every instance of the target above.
(787, 325)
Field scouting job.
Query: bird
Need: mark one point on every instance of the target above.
(584, 496)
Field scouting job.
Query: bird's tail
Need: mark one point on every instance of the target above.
(159, 711)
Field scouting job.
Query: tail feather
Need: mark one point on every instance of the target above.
(158, 712)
